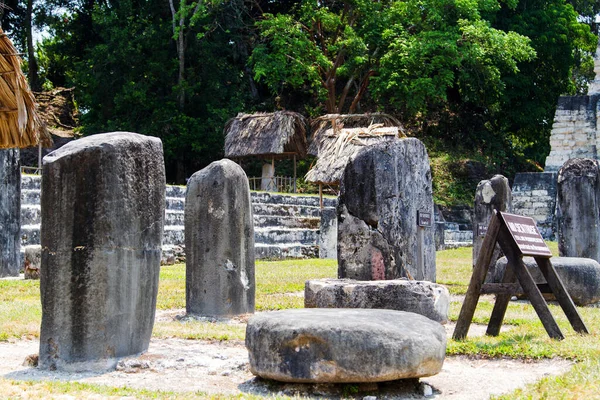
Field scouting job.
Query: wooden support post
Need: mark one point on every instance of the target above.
(501, 304)
(39, 171)
(294, 173)
(563, 298)
(321, 195)
(479, 272)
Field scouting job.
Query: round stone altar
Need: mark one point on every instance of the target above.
(344, 345)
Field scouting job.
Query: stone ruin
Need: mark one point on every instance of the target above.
(491, 195)
(103, 212)
(10, 212)
(358, 334)
(382, 190)
(575, 134)
(219, 234)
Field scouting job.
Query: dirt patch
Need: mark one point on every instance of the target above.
(222, 367)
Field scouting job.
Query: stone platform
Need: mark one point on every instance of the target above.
(344, 345)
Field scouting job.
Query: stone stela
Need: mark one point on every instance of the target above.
(517, 236)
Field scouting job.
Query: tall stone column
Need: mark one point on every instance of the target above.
(578, 209)
(219, 242)
(103, 214)
(10, 212)
(492, 194)
(382, 189)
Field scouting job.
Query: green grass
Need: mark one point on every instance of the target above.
(279, 285)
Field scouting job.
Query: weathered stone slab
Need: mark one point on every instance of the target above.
(344, 345)
(491, 195)
(581, 276)
(219, 242)
(381, 191)
(10, 212)
(328, 233)
(578, 209)
(103, 214)
(421, 297)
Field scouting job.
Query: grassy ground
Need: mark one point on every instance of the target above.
(280, 285)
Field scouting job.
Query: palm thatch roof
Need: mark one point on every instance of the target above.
(20, 125)
(338, 144)
(320, 126)
(281, 134)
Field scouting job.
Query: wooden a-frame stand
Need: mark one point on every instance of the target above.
(514, 240)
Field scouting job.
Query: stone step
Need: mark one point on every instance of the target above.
(174, 217)
(278, 252)
(451, 226)
(31, 182)
(31, 214)
(299, 200)
(30, 235)
(285, 210)
(175, 203)
(173, 235)
(30, 196)
(286, 236)
(263, 221)
(458, 236)
(175, 191)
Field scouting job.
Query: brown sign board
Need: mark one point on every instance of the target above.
(481, 229)
(525, 233)
(424, 218)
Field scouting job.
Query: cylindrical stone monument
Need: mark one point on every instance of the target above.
(578, 209)
(219, 242)
(383, 189)
(103, 214)
(491, 194)
(10, 212)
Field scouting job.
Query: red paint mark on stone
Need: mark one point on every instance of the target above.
(377, 266)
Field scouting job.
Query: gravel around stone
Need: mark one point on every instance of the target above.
(222, 367)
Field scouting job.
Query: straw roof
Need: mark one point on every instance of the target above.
(320, 126)
(279, 135)
(337, 145)
(20, 125)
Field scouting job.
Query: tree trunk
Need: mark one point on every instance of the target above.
(34, 81)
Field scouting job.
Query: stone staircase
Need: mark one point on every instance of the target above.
(285, 226)
(454, 237)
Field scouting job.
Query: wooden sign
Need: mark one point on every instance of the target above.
(516, 236)
(481, 229)
(424, 218)
(525, 233)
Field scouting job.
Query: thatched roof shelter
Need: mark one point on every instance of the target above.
(335, 143)
(281, 134)
(20, 125)
(321, 126)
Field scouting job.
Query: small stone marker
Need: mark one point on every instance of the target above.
(379, 236)
(421, 297)
(344, 345)
(219, 242)
(578, 209)
(103, 213)
(32, 262)
(492, 194)
(10, 212)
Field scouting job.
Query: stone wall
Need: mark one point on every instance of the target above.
(575, 130)
(534, 195)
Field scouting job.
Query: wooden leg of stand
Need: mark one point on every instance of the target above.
(561, 294)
